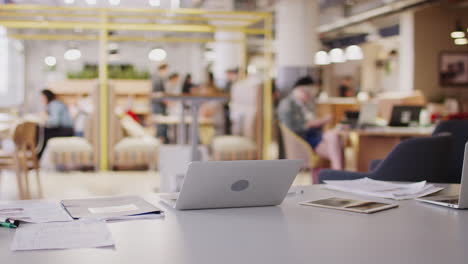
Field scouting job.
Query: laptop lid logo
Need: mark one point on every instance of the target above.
(240, 185)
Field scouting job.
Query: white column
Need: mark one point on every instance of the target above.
(296, 38)
(228, 55)
(406, 52)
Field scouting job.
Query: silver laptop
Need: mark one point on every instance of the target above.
(368, 114)
(459, 201)
(224, 184)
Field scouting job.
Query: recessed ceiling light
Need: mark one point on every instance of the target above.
(91, 2)
(114, 2)
(157, 54)
(175, 4)
(50, 61)
(154, 2)
(72, 54)
(69, 2)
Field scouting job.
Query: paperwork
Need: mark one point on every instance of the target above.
(77, 234)
(116, 208)
(382, 189)
(34, 211)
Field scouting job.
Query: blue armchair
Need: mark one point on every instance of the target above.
(459, 131)
(414, 159)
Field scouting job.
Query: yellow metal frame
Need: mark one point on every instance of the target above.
(103, 20)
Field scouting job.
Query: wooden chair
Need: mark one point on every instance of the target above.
(24, 157)
(297, 148)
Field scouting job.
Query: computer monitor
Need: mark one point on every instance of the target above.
(404, 115)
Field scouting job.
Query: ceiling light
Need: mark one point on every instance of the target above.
(157, 54)
(461, 41)
(155, 2)
(354, 52)
(114, 2)
(457, 34)
(50, 61)
(72, 54)
(91, 2)
(69, 2)
(175, 4)
(337, 55)
(321, 58)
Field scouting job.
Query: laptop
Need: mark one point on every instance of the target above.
(459, 201)
(365, 117)
(368, 115)
(404, 115)
(225, 184)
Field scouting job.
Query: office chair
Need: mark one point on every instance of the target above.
(459, 131)
(412, 160)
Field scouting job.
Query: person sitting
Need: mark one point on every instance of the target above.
(297, 112)
(58, 121)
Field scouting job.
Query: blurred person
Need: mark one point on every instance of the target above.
(232, 76)
(187, 86)
(172, 85)
(212, 109)
(346, 87)
(58, 122)
(159, 107)
(297, 112)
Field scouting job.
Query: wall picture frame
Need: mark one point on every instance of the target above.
(453, 68)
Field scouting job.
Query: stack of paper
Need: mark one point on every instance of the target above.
(34, 211)
(116, 208)
(382, 189)
(76, 234)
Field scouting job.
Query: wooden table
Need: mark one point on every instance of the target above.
(376, 143)
(336, 107)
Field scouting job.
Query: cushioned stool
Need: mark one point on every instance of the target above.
(132, 152)
(67, 153)
(234, 148)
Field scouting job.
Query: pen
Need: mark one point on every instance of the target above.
(9, 221)
(7, 225)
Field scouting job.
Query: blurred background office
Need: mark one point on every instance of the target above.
(153, 84)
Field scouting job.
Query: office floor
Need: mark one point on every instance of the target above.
(57, 185)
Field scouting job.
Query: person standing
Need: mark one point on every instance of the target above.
(159, 107)
(346, 87)
(187, 85)
(58, 122)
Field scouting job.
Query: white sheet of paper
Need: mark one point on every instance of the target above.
(63, 235)
(382, 189)
(34, 211)
(113, 209)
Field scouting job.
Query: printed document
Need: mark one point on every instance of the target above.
(383, 189)
(64, 235)
(34, 211)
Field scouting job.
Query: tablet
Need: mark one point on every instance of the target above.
(357, 206)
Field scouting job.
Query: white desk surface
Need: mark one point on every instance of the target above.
(413, 233)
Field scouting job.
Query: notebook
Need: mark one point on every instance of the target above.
(111, 208)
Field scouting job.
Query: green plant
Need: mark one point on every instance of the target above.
(126, 72)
